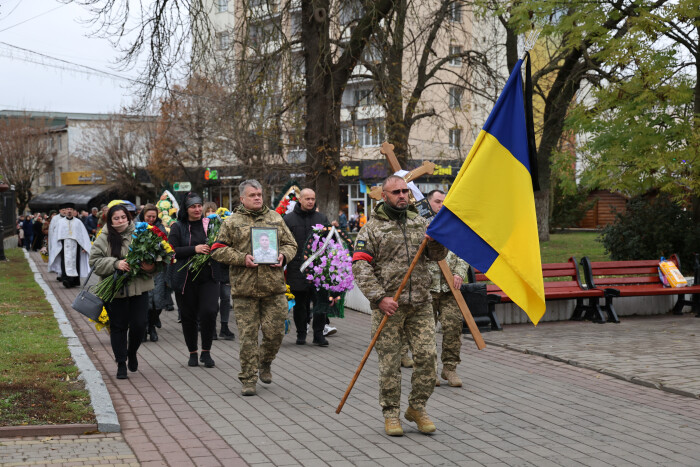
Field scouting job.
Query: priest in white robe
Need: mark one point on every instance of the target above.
(69, 247)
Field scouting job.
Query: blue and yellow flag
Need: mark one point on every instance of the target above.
(488, 217)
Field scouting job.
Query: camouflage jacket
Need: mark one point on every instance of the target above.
(458, 267)
(234, 242)
(384, 250)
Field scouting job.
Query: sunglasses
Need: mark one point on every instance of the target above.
(403, 191)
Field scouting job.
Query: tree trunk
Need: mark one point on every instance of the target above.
(397, 128)
(322, 108)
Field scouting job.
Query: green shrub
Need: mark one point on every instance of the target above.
(569, 208)
(652, 228)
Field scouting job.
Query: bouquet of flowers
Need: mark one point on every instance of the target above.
(197, 261)
(149, 245)
(44, 252)
(328, 267)
(167, 209)
(103, 321)
(290, 304)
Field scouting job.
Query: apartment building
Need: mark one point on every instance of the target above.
(453, 115)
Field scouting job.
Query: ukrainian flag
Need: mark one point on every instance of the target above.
(488, 217)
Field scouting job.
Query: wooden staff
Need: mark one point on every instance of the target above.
(381, 326)
(471, 324)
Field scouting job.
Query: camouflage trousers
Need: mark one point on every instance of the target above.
(417, 325)
(447, 313)
(254, 314)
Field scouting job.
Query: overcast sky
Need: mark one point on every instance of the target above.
(54, 30)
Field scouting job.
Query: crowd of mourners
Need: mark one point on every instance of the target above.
(244, 277)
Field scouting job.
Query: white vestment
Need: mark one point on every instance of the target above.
(67, 239)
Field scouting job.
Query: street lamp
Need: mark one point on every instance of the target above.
(3, 188)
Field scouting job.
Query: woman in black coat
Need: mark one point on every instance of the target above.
(197, 299)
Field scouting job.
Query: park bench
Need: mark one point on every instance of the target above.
(561, 282)
(638, 278)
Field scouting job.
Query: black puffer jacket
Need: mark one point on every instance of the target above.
(300, 223)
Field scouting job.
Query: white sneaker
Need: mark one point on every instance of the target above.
(329, 330)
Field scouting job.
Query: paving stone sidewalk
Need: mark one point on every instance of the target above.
(515, 409)
(661, 351)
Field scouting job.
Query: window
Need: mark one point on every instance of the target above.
(347, 139)
(456, 97)
(222, 5)
(454, 12)
(224, 40)
(455, 138)
(364, 97)
(370, 135)
(455, 50)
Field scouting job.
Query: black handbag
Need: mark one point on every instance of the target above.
(87, 303)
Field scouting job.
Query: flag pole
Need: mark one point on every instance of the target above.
(381, 326)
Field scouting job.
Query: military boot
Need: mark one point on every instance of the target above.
(406, 361)
(425, 425)
(265, 373)
(452, 378)
(248, 389)
(392, 426)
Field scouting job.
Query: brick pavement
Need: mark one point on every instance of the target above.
(515, 409)
(661, 351)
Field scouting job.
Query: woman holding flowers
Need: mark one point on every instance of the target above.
(196, 293)
(159, 297)
(128, 310)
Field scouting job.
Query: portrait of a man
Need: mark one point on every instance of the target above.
(265, 250)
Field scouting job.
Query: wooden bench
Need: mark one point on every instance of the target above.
(554, 289)
(637, 278)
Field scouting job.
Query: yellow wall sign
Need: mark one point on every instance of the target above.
(350, 171)
(83, 178)
(440, 170)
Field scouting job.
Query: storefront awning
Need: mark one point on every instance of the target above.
(83, 196)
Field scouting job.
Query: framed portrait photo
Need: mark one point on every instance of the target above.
(265, 245)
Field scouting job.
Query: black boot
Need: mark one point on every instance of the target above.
(301, 338)
(121, 370)
(153, 333)
(320, 340)
(226, 333)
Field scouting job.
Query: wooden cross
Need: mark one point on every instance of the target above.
(428, 168)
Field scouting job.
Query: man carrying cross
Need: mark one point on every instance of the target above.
(384, 249)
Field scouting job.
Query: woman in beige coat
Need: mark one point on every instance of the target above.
(128, 312)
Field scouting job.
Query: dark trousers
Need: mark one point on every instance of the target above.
(198, 305)
(302, 314)
(127, 322)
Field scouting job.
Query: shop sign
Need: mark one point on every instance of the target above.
(82, 178)
(442, 170)
(350, 171)
(210, 174)
(182, 186)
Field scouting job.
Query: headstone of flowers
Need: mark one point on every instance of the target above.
(212, 224)
(328, 268)
(167, 209)
(150, 246)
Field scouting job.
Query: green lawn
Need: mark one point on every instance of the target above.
(38, 380)
(561, 246)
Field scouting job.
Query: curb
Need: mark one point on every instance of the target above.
(604, 371)
(47, 430)
(107, 420)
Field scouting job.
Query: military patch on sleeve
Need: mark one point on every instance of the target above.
(360, 245)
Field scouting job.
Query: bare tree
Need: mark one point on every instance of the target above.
(166, 29)
(25, 152)
(120, 147)
(416, 50)
(191, 134)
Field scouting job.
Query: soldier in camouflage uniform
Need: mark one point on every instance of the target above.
(445, 306)
(257, 290)
(384, 249)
